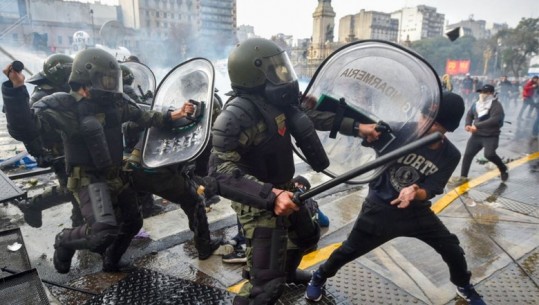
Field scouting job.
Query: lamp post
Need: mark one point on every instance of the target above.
(93, 27)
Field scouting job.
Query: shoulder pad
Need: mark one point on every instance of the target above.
(238, 114)
(57, 101)
(244, 110)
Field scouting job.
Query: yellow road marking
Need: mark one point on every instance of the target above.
(323, 254)
(443, 202)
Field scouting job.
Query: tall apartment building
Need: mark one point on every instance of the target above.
(188, 27)
(479, 29)
(368, 25)
(156, 29)
(49, 25)
(420, 22)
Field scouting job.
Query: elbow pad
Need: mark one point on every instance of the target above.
(302, 129)
(244, 191)
(20, 119)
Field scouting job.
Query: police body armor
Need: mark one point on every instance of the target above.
(77, 152)
(271, 160)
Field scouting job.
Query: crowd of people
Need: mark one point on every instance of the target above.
(83, 120)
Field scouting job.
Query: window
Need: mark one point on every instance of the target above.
(59, 40)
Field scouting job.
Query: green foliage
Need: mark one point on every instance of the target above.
(507, 52)
(518, 45)
(439, 49)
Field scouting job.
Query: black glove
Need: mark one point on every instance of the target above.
(385, 138)
(381, 127)
(211, 186)
(45, 160)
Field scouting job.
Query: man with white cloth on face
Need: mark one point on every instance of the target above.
(484, 121)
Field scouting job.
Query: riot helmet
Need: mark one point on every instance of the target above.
(98, 70)
(260, 65)
(55, 73)
(127, 75)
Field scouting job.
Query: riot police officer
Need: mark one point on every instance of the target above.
(127, 78)
(53, 78)
(252, 164)
(89, 119)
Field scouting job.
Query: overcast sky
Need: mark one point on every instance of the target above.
(294, 17)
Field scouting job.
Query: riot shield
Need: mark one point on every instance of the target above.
(191, 81)
(144, 83)
(371, 81)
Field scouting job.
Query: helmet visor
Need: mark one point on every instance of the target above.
(110, 81)
(278, 69)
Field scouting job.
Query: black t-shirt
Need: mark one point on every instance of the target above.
(429, 168)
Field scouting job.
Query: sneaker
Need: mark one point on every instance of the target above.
(504, 175)
(206, 249)
(314, 288)
(323, 220)
(458, 180)
(224, 249)
(236, 257)
(469, 294)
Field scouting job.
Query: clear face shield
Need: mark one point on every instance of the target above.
(282, 88)
(277, 69)
(106, 85)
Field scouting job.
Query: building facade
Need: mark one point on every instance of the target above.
(368, 25)
(49, 25)
(479, 29)
(420, 22)
(162, 31)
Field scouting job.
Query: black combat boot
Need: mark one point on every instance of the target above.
(33, 207)
(206, 247)
(294, 275)
(62, 254)
(112, 257)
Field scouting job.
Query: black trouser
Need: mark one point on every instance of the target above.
(474, 145)
(380, 223)
(96, 236)
(171, 185)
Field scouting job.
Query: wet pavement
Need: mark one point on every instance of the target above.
(497, 224)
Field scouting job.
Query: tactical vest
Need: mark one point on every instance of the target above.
(271, 160)
(75, 146)
(51, 140)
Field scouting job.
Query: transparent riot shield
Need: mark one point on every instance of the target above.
(144, 82)
(191, 81)
(372, 81)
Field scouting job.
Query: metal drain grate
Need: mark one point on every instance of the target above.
(505, 203)
(14, 260)
(23, 288)
(8, 190)
(510, 286)
(148, 287)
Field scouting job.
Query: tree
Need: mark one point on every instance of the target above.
(518, 45)
(438, 50)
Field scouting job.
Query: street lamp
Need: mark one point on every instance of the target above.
(93, 27)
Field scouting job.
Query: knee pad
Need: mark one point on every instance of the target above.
(267, 274)
(100, 238)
